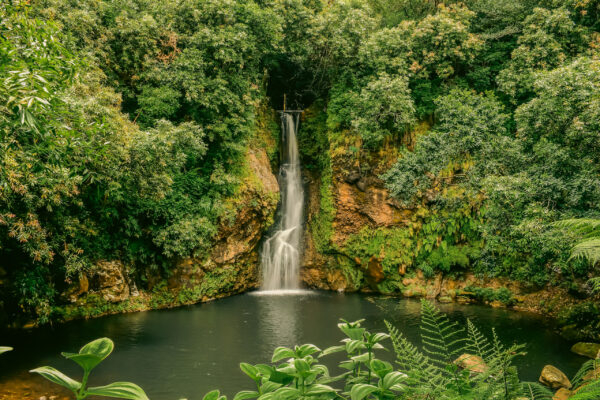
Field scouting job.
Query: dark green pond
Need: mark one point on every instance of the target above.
(185, 352)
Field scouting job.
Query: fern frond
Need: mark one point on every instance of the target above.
(580, 226)
(412, 362)
(588, 249)
(590, 370)
(442, 339)
(535, 391)
(477, 343)
(590, 391)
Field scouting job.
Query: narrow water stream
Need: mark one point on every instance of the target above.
(280, 256)
(185, 352)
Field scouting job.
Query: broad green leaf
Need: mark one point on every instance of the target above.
(319, 389)
(100, 348)
(120, 390)
(282, 352)
(92, 354)
(361, 358)
(392, 379)
(245, 395)
(281, 377)
(302, 367)
(354, 345)
(306, 349)
(347, 365)
(4, 349)
(250, 370)
(55, 376)
(352, 333)
(378, 337)
(332, 349)
(264, 370)
(212, 395)
(380, 368)
(286, 393)
(268, 386)
(361, 390)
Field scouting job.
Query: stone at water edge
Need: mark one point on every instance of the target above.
(562, 394)
(554, 378)
(472, 363)
(590, 350)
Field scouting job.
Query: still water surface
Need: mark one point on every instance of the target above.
(185, 352)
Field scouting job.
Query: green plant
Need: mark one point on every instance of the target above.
(4, 349)
(88, 358)
(431, 373)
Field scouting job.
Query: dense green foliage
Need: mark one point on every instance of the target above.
(125, 124)
(507, 93)
(79, 181)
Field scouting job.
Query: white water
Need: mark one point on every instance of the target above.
(280, 260)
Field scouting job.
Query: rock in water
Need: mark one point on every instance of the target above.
(472, 363)
(586, 349)
(562, 394)
(554, 378)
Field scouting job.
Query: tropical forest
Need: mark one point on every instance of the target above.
(300, 199)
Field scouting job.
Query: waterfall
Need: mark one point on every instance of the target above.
(280, 260)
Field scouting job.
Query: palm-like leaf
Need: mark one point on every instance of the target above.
(588, 249)
(589, 231)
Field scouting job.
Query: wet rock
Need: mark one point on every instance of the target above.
(337, 281)
(374, 271)
(554, 378)
(445, 299)
(562, 394)
(402, 269)
(570, 332)
(352, 177)
(586, 349)
(362, 185)
(77, 289)
(110, 281)
(472, 363)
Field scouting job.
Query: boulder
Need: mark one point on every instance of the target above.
(554, 378)
(110, 281)
(472, 363)
(562, 394)
(589, 350)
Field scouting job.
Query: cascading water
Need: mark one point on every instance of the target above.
(280, 262)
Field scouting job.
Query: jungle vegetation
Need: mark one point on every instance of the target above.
(123, 125)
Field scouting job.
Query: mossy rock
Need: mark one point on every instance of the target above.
(586, 349)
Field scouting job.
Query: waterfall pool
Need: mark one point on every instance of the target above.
(188, 351)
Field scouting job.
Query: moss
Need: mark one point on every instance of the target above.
(321, 226)
(488, 295)
(392, 246)
(354, 276)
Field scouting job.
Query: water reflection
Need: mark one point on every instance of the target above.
(185, 352)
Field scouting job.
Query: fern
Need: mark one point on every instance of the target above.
(588, 249)
(477, 343)
(442, 339)
(590, 391)
(535, 391)
(589, 230)
(413, 363)
(590, 370)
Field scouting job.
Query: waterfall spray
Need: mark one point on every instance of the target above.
(280, 261)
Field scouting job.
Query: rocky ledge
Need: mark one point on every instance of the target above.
(231, 266)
